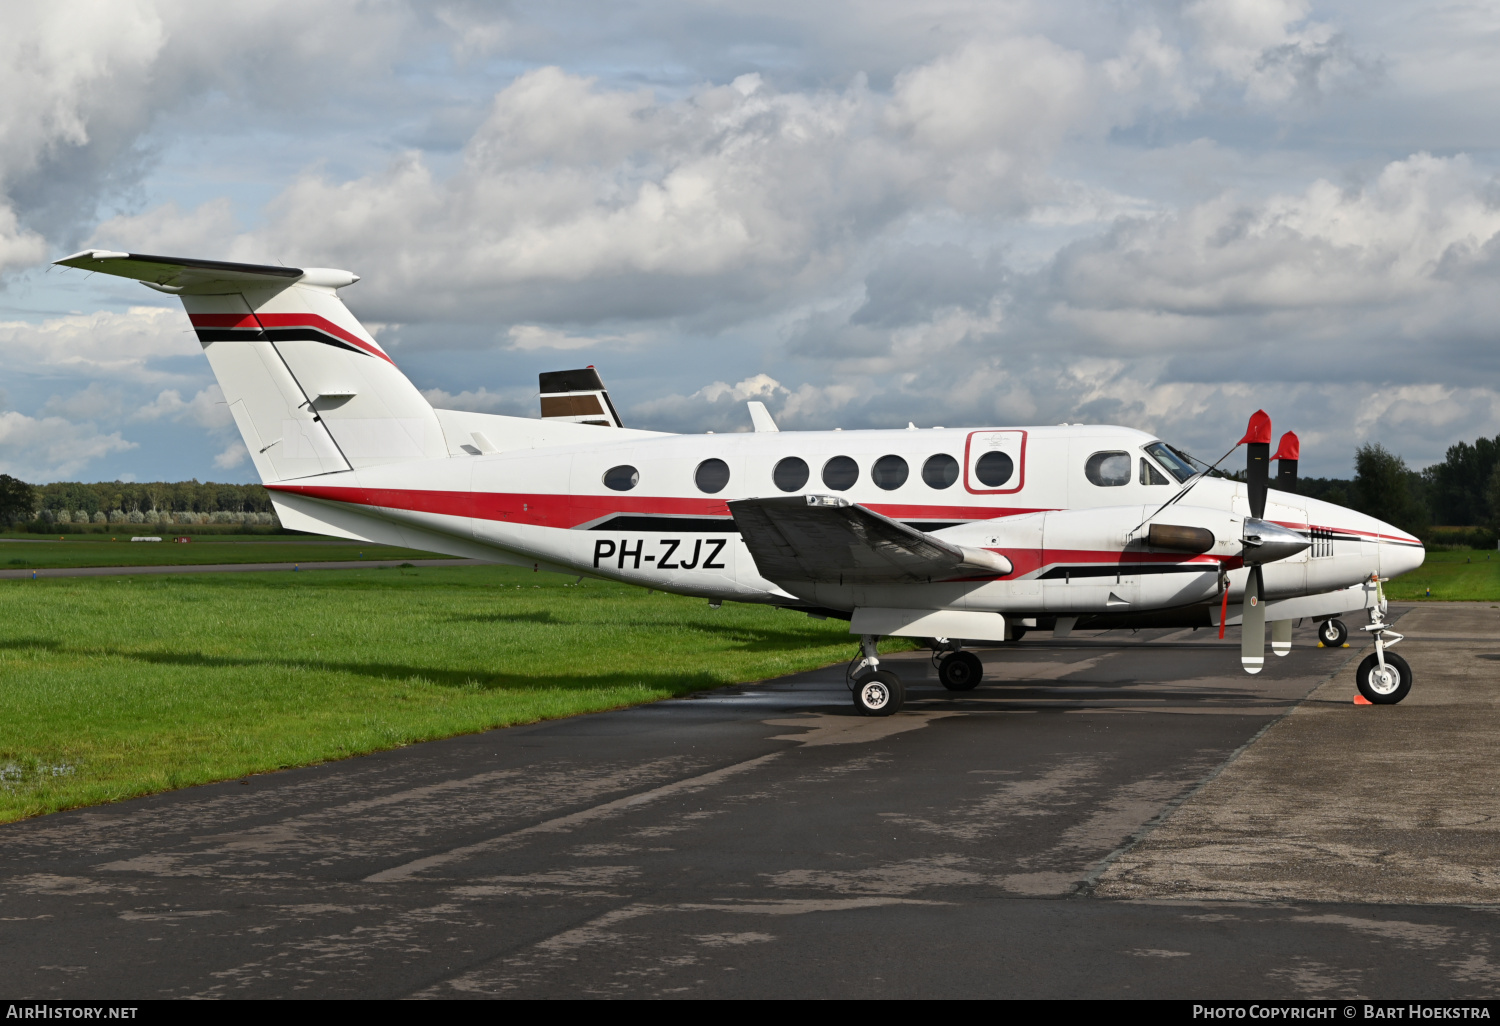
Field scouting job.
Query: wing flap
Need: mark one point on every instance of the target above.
(825, 539)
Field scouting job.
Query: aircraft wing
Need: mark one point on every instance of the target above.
(825, 540)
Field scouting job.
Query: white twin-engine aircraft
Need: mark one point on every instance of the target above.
(942, 534)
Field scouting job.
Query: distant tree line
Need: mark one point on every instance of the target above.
(1453, 502)
(121, 502)
(1456, 501)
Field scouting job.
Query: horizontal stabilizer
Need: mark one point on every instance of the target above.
(825, 539)
(192, 276)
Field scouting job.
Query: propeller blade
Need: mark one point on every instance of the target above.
(1253, 625)
(1281, 637)
(1258, 461)
(1286, 466)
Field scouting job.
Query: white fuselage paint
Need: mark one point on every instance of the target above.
(542, 501)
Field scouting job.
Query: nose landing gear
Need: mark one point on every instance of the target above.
(1384, 678)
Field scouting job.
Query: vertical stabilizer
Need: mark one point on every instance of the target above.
(311, 391)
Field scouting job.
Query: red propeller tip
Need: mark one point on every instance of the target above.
(1259, 429)
(1289, 447)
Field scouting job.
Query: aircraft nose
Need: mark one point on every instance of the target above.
(1398, 556)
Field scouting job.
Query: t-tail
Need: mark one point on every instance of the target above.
(310, 389)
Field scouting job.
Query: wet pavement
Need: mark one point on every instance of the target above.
(1020, 840)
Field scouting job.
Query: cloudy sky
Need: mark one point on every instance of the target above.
(1162, 214)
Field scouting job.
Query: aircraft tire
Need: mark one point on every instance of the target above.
(1388, 691)
(878, 694)
(1332, 633)
(960, 671)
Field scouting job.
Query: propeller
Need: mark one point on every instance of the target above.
(1257, 441)
(1286, 466)
(1264, 542)
(1286, 480)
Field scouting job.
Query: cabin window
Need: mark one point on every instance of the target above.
(1108, 469)
(1150, 475)
(711, 476)
(622, 478)
(889, 472)
(940, 471)
(840, 473)
(994, 469)
(790, 474)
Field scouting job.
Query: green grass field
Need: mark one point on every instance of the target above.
(1471, 575)
(27, 553)
(121, 686)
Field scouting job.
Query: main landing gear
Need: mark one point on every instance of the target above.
(1333, 633)
(876, 692)
(960, 671)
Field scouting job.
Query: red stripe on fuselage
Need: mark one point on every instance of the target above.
(286, 320)
(568, 511)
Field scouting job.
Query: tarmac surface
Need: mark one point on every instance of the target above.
(1116, 816)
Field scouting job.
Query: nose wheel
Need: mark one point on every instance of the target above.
(1384, 685)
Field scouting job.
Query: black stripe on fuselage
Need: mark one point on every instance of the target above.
(687, 525)
(721, 525)
(1058, 573)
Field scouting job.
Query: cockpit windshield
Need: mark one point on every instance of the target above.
(1178, 463)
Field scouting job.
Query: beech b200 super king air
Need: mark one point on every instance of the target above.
(941, 534)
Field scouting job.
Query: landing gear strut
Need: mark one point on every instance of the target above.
(876, 692)
(1383, 678)
(1332, 633)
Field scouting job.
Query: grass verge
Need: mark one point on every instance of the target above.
(79, 551)
(123, 686)
(1471, 575)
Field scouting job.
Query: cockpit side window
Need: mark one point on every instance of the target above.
(1150, 475)
(1177, 464)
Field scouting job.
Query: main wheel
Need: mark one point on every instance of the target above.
(960, 671)
(1332, 633)
(1017, 633)
(879, 693)
(1384, 687)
